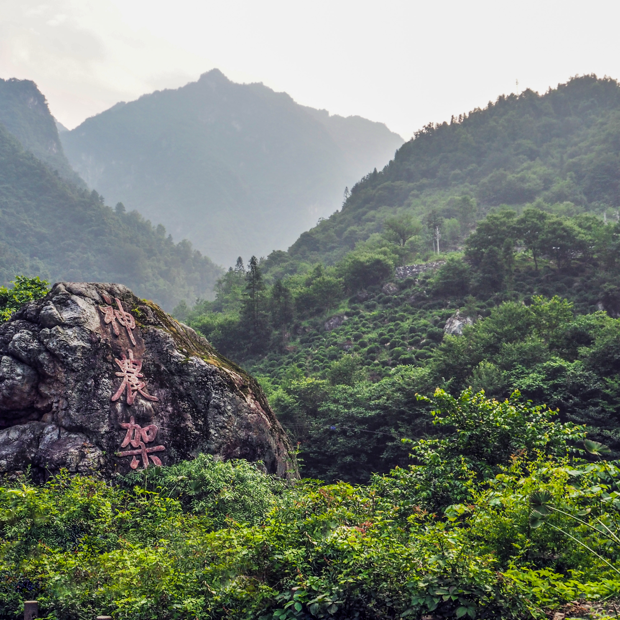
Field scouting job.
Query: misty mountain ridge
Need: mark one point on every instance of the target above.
(232, 167)
(557, 150)
(24, 113)
(59, 230)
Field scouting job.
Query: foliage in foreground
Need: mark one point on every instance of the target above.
(386, 550)
(24, 289)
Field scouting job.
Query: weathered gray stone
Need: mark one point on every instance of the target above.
(410, 271)
(455, 324)
(334, 322)
(60, 363)
(390, 288)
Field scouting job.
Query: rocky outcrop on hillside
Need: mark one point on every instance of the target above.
(456, 323)
(93, 379)
(412, 271)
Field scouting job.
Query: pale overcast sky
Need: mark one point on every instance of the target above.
(404, 63)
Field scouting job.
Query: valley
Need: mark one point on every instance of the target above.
(410, 412)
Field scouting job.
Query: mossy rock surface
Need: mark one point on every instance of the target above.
(72, 398)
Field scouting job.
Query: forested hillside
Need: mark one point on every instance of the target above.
(24, 112)
(559, 150)
(53, 229)
(445, 353)
(227, 165)
(344, 336)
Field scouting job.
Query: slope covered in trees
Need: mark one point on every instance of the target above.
(343, 350)
(559, 149)
(53, 229)
(523, 244)
(227, 165)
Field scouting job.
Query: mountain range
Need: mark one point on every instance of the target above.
(232, 167)
(52, 226)
(558, 151)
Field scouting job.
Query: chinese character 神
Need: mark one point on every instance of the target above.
(130, 372)
(136, 437)
(112, 315)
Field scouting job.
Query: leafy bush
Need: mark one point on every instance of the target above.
(82, 547)
(24, 290)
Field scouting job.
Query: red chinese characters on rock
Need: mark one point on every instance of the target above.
(118, 316)
(137, 437)
(132, 383)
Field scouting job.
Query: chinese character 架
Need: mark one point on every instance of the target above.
(137, 437)
(112, 315)
(130, 372)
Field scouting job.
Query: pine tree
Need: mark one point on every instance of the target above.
(253, 315)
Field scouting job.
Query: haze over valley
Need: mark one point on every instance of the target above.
(227, 165)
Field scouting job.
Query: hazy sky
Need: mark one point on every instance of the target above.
(401, 62)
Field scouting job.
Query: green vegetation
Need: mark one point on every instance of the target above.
(560, 149)
(342, 350)
(51, 228)
(501, 517)
(444, 352)
(24, 113)
(23, 290)
(227, 165)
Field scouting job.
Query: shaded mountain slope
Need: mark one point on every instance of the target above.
(24, 112)
(51, 228)
(560, 149)
(229, 166)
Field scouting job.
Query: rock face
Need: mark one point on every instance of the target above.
(455, 324)
(93, 379)
(390, 288)
(411, 271)
(335, 322)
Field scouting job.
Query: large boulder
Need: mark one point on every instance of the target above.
(93, 379)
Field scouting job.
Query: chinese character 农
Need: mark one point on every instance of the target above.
(137, 437)
(130, 372)
(112, 315)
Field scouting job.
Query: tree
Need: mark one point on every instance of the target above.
(466, 209)
(480, 436)
(401, 228)
(361, 269)
(452, 279)
(345, 371)
(24, 290)
(562, 241)
(253, 315)
(434, 223)
(346, 195)
(491, 232)
(239, 268)
(531, 227)
(282, 309)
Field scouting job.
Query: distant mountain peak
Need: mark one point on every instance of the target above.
(215, 75)
(226, 165)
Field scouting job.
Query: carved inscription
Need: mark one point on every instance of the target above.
(132, 384)
(117, 316)
(138, 437)
(132, 379)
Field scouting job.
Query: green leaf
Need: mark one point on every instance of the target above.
(539, 500)
(595, 448)
(536, 520)
(461, 611)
